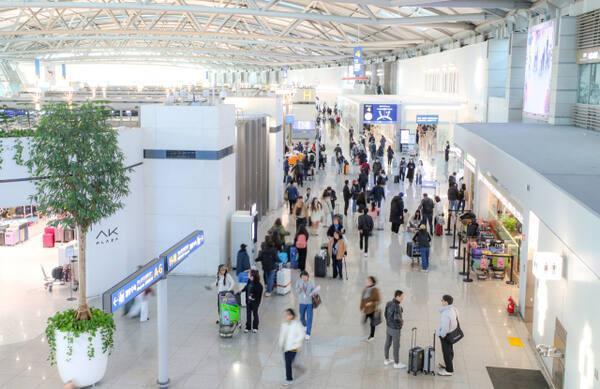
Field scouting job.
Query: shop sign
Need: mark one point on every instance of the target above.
(547, 266)
(511, 208)
(380, 113)
(590, 55)
(126, 290)
(428, 119)
(181, 250)
(357, 62)
(107, 236)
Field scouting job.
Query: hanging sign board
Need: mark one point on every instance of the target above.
(126, 290)
(358, 62)
(181, 250)
(428, 119)
(380, 113)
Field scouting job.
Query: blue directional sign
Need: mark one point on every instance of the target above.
(181, 250)
(428, 119)
(290, 119)
(380, 113)
(126, 290)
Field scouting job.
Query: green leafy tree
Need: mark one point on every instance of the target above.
(75, 155)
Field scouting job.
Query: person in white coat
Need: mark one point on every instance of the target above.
(448, 323)
(291, 336)
(224, 283)
(420, 170)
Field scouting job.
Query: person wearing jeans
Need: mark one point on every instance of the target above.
(268, 258)
(448, 323)
(423, 240)
(394, 322)
(291, 336)
(305, 288)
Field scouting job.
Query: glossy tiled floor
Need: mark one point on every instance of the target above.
(336, 356)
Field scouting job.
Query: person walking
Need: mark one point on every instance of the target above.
(462, 197)
(378, 193)
(224, 283)
(254, 291)
(448, 323)
(420, 170)
(355, 192)
(347, 193)
(402, 169)
(394, 322)
(369, 305)
(338, 253)
(291, 336)
(423, 239)
(292, 195)
(306, 289)
(363, 180)
(427, 207)
(410, 171)
(301, 213)
(268, 258)
(397, 212)
(327, 208)
(301, 243)
(365, 227)
(242, 263)
(390, 154)
(315, 215)
(447, 152)
(452, 198)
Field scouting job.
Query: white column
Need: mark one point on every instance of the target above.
(564, 83)
(515, 80)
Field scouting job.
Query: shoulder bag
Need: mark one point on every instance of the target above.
(316, 301)
(376, 320)
(457, 334)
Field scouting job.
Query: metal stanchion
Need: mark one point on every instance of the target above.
(510, 281)
(448, 233)
(464, 258)
(468, 259)
(457, 256)
(454, 234)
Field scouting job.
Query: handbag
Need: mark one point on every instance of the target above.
(457, 334)
(316, 301)
(376, 320)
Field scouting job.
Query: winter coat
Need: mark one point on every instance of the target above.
(452, 193)
(427, 205)
(365, 223)
(291, 335)
(242, 262)
(378, 193)
(268, 258)
(224, 286)
(422, 238)
(393, 315)
(254, 291)
(370, 300)
(347, 193)
(397, 210)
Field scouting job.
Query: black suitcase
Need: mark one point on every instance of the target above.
(416, 355)
(320, 265)
(412, 250)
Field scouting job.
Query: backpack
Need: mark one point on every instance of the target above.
(301, 241)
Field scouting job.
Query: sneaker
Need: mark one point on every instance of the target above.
(441, 366)
(246, 331)
(399, 365)
(307, 337)
(444, 373)
(370, 338)
(387, 361)
(255, 331)
(366, 255)
(267, 294)
(424, 271)
(287, 383)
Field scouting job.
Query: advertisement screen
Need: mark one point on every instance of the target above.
(538, 69)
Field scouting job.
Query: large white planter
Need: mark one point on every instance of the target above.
(80, 369)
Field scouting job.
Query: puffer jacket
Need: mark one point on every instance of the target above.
(393, 315)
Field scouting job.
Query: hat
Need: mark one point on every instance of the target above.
(422, 227)
(401, 194)
(243, 246)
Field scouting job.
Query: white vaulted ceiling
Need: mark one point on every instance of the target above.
(232, 32)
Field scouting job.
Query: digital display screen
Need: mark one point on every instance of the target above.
(538, 69)
(380, 113)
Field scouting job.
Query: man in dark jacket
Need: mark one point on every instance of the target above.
(423, 240)
(397, 212)
(347, 196)
(355, 191)
(268, 258)
(376, 169)
(402, 169)
(394, 322)
(365, 227)
(292, 195)
(452, 198)
(242, 260)
(427, 207)
(378, 194)
(363, 180)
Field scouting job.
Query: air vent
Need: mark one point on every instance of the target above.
(181, 154)
(588, 30)
(586, 116)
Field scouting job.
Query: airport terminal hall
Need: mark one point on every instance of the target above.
(307, 194)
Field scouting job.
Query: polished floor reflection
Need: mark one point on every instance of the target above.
(336, 356)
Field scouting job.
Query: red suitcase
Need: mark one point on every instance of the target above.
(48, 240)
(439, 230)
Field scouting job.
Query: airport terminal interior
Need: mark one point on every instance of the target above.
(300, 193)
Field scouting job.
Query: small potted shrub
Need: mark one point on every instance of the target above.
(83, 178)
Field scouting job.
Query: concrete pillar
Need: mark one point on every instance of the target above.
(515, 78)
(563, 85)
(498, 50)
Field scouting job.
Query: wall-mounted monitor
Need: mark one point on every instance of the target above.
(538, 69)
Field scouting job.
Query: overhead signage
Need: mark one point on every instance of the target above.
(289, 119)
(547, 266)
(126, 290)
(358, 62)
(181, 250)
(590, 55)
(404, 136)
(428, 119)
(380, 113)
(304, 125)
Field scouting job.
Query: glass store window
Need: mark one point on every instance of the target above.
(589, 84)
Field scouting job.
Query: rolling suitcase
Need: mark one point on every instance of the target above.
(429, 361)
(416, 355)
(439, 230)
(284, 281)
(294, 257)
(412, 250)
(321, 264)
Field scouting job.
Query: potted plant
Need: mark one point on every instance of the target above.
(75, 154)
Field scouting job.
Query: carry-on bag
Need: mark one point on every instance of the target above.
(321, 264)
(284, 281)
(439, 230)
(429, 362)
(294, 257)
(416, 355)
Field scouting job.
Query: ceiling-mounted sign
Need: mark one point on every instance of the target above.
(547, 266)
(358, 62)
(428, 119)
(181, 250)
(126, 290)
(380, 113)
